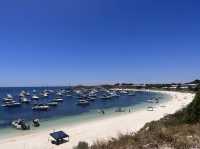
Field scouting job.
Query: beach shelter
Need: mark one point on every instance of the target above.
(59, 137)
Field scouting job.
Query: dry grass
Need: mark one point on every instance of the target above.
(178, 131)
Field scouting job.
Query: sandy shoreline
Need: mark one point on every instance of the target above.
(103, 128)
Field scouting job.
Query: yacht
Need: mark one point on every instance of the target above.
(45, 94)
(11, 104)
(24, 100)
(34, 97)
(22, 94)
(8, 98)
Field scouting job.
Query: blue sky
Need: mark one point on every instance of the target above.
(48, 42)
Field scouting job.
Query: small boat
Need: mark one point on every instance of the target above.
(28, 94)
(40, 107)
(123, 92)
(36, 122)
(59, 94)
(58, 100)
(106, 97)
(24, 100)
(53, 103)
(34, 97)
(83, 102)
(8, 98)
(22, 94)
(11, 104)
(44, 94)
(20, 124)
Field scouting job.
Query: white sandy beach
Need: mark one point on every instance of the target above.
(100, 129)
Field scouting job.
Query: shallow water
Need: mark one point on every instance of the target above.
(68, 113)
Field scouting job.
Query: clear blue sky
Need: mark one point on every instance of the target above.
(59, 42)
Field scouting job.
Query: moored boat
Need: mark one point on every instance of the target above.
(8, 98)
(40, 107)
(53, 103)
(83, 102)
(58, 100)
(24, 100)
(34, 97)
(11, 104)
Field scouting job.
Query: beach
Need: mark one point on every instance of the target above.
(101, 129)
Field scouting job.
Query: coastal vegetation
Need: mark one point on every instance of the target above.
(176, 131)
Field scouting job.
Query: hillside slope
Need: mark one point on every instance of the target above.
(180, 131)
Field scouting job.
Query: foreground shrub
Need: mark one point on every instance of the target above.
(82, 145)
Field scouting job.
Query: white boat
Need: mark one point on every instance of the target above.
(123, 92)
(28, 94)
(40, 107)
(34, 97)
(24, 100)
(114, 94)
(11, 104)
(59, 94)
(22, 94)
(53, 103)
(45, 94)
(58, 100)
(8, 98)
(83, 102)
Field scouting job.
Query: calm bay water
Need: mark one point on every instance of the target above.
(67, 112)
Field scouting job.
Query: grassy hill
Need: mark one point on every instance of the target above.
(180, 131)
